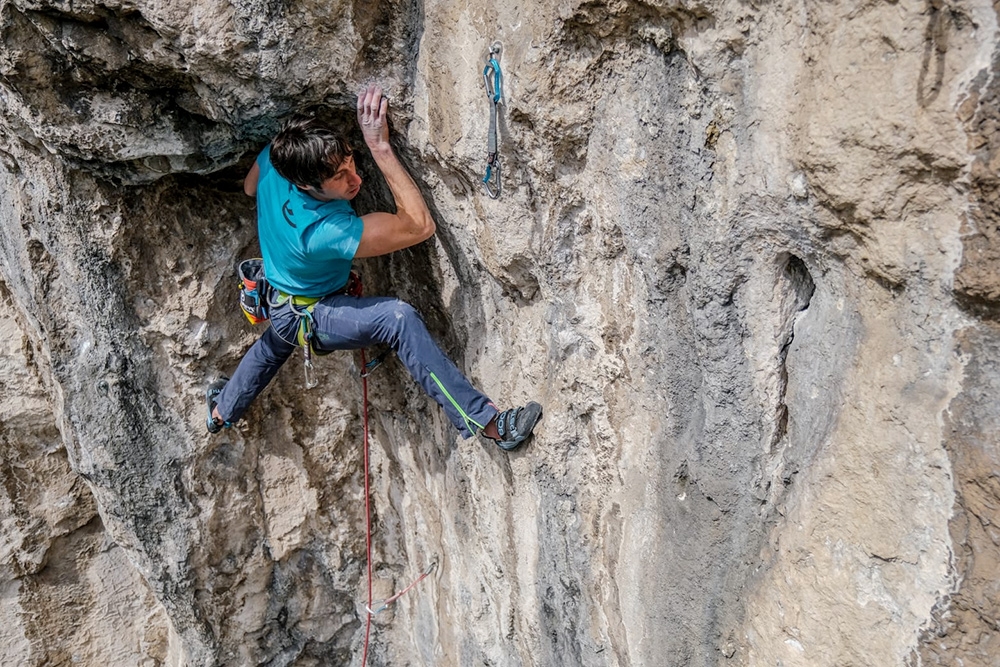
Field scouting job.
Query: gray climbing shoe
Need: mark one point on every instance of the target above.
(515, 425)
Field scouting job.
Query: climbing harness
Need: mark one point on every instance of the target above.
(256, 302)
(491, 181)
(303, 307)
(371, 607)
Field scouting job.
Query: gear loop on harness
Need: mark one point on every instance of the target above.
(494, 89)
(304, 337)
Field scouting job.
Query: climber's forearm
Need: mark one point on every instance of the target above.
(410, 204)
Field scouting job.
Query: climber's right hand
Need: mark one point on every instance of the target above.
(372, 110)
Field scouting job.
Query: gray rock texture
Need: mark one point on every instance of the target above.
(747, 257)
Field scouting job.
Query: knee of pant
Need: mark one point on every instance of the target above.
(273, 348)
(399, 317)
(273, 356)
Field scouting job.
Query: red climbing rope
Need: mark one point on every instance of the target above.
(383, 604)
(368, 513)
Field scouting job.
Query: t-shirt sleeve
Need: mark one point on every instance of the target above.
(264, 159)
(339, 236)
(352, 235)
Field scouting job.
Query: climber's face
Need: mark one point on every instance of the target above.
(344, 184)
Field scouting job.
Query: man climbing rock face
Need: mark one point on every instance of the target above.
(309, 234)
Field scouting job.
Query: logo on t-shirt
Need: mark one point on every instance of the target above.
(286, 210)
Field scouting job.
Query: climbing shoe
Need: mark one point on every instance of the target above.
(515, 425)
(211, 394)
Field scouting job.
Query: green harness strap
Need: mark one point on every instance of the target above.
(302, 306)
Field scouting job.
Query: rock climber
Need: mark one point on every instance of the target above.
(304, 181)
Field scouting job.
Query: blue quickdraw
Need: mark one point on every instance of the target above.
(495, 93)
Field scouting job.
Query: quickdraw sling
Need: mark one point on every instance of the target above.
(491, 181)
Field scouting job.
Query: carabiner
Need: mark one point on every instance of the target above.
(305, 338)
(492, 174)
(496, 90)
(382, 605)
(374, 363)
(310, 369)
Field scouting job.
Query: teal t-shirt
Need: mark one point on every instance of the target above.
(307, 244)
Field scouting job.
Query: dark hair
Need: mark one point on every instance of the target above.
(306, 151)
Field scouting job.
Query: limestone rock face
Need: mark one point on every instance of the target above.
(70, 594)
(746, 256)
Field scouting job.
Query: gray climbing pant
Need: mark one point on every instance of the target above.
(343, 322)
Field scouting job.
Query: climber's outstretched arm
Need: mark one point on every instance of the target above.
(412, 223)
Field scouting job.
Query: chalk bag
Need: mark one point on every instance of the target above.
(253, 290)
